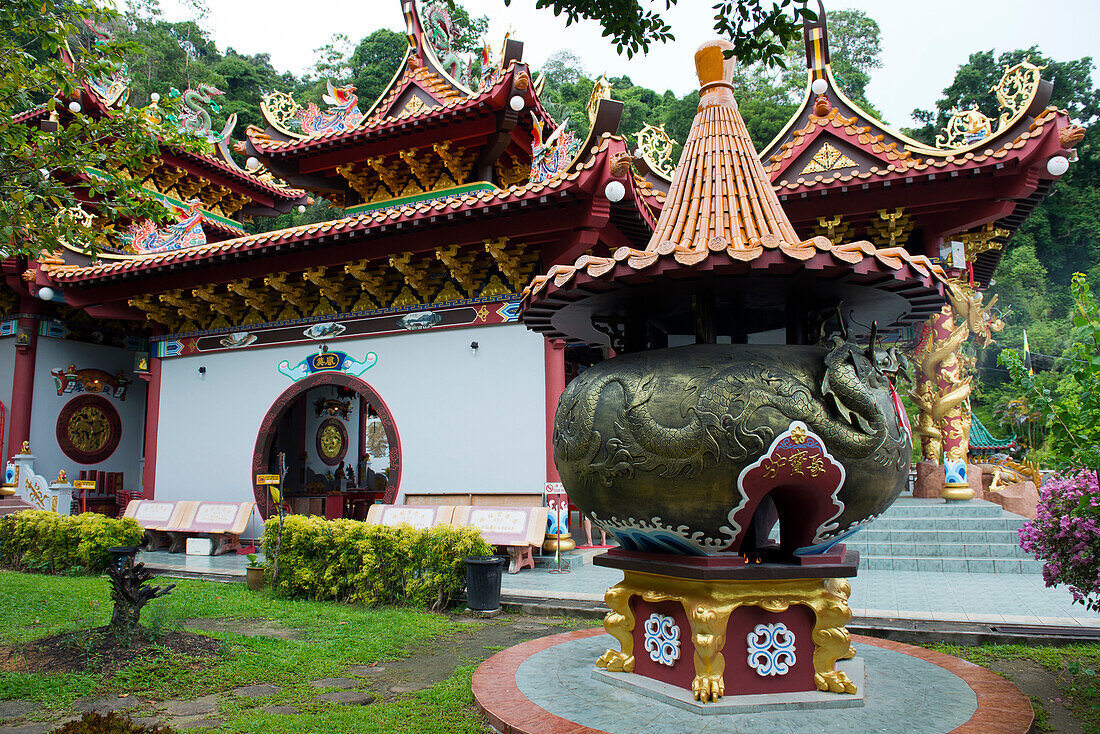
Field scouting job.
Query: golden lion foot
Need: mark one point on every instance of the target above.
(616, 662)
(834, 681)
(708, 687)
(848, 655)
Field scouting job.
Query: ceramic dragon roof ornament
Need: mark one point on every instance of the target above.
(146, 238)
(195, 115)
(442, 34)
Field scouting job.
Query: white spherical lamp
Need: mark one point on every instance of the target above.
(614, 191)
(820, 86)
(46, 294)
(252, 163)
(74, 107)
(301, 208)
(516, 103)
(154, 97)
(1058, 165)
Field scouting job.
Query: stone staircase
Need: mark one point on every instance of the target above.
(8, 505)
(931, 535)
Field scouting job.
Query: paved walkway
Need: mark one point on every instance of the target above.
(923, 595)
(913, 595)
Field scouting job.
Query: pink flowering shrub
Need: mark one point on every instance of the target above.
(1066, 534)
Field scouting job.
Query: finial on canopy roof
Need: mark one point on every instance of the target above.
(715, 73)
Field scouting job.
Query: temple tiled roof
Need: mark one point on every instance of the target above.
(721, 209)
(904, 161)
(358, 224)
(376, 124)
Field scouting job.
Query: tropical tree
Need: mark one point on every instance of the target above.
(47, 51)
(759, 29)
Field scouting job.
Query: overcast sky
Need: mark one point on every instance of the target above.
(923, 42)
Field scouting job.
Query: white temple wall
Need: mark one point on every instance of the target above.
(60, 353)
(468, 420)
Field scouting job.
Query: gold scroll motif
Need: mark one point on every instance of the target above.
(655, 147)
(708, 605)
(281, 112)
(1015, 92)
(414, 106)
(827, 158)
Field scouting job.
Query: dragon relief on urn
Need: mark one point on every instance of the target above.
(656, 446)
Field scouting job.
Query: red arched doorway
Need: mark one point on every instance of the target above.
(262, 459)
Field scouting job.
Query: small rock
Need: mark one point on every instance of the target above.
(194, 707)
(366, 671)
(408, 687)
(348, 698)
(34, 728)
(263, 689)
(274, 709)
(149, 721)
(16, 709)
(334, 683)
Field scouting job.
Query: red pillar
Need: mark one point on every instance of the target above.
(22, 388)
(152, 424)
(555, 384)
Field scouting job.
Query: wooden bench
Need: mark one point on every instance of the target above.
(222, 522)
(158, 517)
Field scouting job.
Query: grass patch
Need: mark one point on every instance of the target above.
(1076, 668)
(321, 639)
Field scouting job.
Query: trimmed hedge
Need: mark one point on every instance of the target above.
(37, 540)
(348, 560)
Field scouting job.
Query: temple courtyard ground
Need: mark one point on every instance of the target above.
(223, 658)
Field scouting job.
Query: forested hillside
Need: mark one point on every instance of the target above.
(1060, 238)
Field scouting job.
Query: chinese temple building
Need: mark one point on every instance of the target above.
(380, 353)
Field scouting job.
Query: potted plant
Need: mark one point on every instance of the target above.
(254, 572)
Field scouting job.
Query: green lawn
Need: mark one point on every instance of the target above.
(332, 636)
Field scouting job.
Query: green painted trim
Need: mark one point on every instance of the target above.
(470, 188)
(172, 201)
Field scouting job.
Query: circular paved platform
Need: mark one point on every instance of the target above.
(546, 686)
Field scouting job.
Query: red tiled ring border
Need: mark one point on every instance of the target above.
(1002, 708)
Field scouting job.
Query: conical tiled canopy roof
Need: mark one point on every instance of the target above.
(720, 195)
(722, 222)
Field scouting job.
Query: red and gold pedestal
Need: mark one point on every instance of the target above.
(721, 627)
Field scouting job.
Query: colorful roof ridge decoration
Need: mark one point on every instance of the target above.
(721, 201)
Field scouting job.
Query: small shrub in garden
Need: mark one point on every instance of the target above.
(36, 540)
(348, 560)
(1066, 535)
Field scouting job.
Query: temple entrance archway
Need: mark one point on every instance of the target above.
(326, 424)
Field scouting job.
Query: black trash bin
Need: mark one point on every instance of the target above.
(483, 574)
(120, 553)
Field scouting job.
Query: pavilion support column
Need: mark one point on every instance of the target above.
(152, 426)
(22, 388)
(555, 384)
